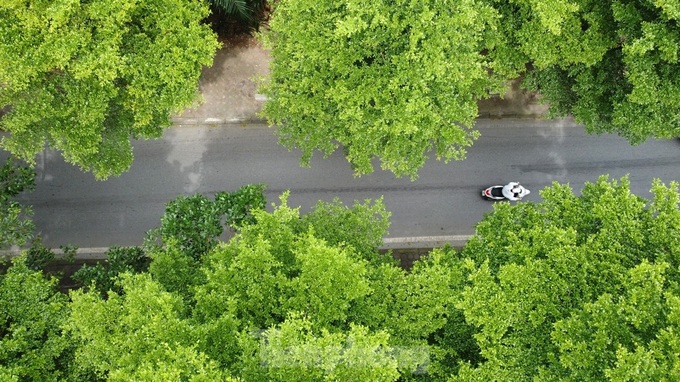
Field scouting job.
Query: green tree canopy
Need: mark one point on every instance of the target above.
(32, 311)
(86, 76)
(611, 64)
(576, 287)
(309, 288)
(190, 225)
(399, 80)
(387, 79)
(355, 355)
(277, 286)
(140, 335)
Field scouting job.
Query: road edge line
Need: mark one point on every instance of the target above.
(424, 241)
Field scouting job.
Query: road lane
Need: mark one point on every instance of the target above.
(71, 207)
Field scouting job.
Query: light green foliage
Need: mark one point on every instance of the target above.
(387, 79)
(271, 268)
(611, 64)
(85, 76)
(398, 81)
(570, 288)
(294, 351)
(243, 279)
(278, 268)
(32, 347)
(16, 225)
(176, 271)
(564, 32)
(361, 227)
(424, 298)
(140, 335)
(428, 299)
(328, 281)
(664, 207)
(629, 337)
(656, 361)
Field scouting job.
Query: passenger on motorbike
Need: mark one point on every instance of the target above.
(514, 191)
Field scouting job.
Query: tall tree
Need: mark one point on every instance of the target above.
(575, 287)
(399, 80)
(629, 336)
(387, 79)
(86, 76)
(611, 64)
(284, 268)
(32, 344)
(274, 288)
(141, 335)
(293, 351)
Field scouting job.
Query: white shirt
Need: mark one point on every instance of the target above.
(513, 188)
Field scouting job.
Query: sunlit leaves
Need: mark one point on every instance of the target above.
(361, 227)
(379, 79)
(328, 282)
(585, 290)
(629, 337)
(32, 346)
(614, 69)
(85, 77)
(139, 335)
(293, 350)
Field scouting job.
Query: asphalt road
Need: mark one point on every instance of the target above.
(71, 207)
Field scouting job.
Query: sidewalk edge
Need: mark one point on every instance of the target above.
(218, 121)
(262, 121)
(415, 242)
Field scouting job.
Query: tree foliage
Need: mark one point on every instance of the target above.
(293, 349)
(140, 335)
(15, 220)
(238, 206)
(311, 293)
(611, 64)
(387, 79)
(399, 80)
(632, 336)
(361, 227)
(32, 344)
(190, 228)
(248, 12)
(575, 287)
(195, 222)
(85, 76)
(119, 260)
(273, 302)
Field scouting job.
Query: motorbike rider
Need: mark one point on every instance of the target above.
(514, 191)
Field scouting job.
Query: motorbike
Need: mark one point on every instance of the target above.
(505, 192)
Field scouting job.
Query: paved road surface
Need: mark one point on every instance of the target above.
(71, 207)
